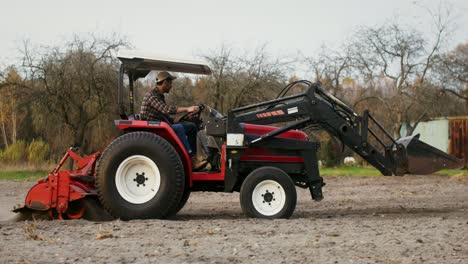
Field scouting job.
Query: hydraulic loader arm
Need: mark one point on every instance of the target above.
(317, 107)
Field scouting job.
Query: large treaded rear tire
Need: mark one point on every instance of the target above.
(184, 199)
(268, 193)
(140, 176)
(94, 211)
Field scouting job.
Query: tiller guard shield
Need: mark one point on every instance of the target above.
(422, 158)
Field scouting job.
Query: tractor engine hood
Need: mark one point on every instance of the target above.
(260, 130)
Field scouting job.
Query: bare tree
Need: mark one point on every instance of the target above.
(242, 79)
(386, 69)
(330, 68)
(71, 88)
(452, 72)
(11, 113)
(401, 58)
(259, 77)
(183, 92)
(213, 89)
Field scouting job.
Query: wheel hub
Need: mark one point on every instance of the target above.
(137, 179)
(140, 179)
(268, 197)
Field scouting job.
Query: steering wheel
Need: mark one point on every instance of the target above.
(193, 117)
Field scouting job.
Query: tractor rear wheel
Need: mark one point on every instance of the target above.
(184, 199)
(140, 176)
(94, 211)
(269, 193)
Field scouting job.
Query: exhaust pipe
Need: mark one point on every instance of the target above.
(421, 158)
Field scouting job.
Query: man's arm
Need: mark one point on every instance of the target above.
(164, 108)
(190, 109)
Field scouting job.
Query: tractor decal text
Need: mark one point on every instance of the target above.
(272, 113)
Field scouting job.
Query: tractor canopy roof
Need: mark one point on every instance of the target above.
(141, 63)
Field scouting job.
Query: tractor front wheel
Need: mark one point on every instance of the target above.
(139, 176)
(269, 193)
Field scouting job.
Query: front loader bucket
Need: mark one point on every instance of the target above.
(424, 159)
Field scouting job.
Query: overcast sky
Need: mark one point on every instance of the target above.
(187, 28)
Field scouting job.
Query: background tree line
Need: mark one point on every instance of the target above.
(67, 95)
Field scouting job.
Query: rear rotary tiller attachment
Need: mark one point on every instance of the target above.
(66, 194)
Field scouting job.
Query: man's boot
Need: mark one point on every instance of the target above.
(197, 164)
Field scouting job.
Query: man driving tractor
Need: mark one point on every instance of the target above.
(154, 107)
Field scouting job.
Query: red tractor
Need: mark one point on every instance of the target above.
(146, 172)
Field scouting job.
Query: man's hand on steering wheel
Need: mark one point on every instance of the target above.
(192, 115)
(193, 109)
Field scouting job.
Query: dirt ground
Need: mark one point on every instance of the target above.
(411, 219)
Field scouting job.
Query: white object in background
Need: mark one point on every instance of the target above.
(349, 161)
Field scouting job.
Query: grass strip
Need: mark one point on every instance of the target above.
(22, 175)
(349, 171)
